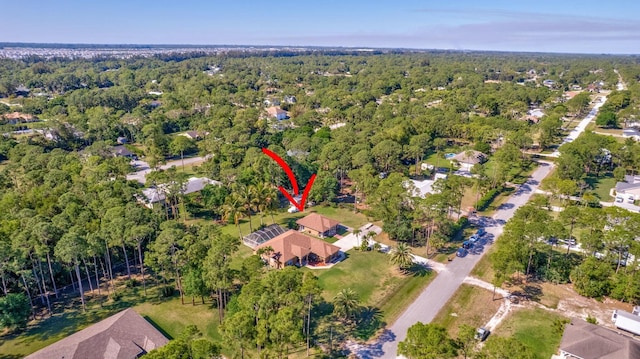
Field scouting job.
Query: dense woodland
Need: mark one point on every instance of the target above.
(68, 213)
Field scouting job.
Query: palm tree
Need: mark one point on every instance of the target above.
(357, 232)
(259, 194)
(346, 304)
(234, 210)
(401, 255)
(271, 201)
(245, 196)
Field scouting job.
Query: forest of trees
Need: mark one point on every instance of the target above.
(69, 217)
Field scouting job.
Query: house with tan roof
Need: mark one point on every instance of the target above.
(582, 340)
(277, 113)
(295, 248)
(318, 225)
(125, 335)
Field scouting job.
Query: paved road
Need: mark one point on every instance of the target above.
(438, 293)
(582, 125)
(143, 168)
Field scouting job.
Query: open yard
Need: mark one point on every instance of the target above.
(470, 305)
(602, 186)
(534, 328)
(378, 282)
(168, 315)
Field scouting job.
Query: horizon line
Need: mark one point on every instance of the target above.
(168, 45)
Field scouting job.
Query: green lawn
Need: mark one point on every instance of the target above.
(377, 282)
(533, 327)
(602, 185)
(469, 305)
(483, 269)
(168, 315)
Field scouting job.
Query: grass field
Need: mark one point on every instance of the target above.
(168, 315)
(533, 327)
(483, 269)
(377, 282)
(602, 186)
(470, 305)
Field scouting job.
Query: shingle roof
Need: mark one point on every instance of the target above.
(630, 182)
(125, 335)
(292, 244)
(475, 157)
(193, 184)
(317, 222)
(590, 341)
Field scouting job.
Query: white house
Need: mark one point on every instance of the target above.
(151, 196)
(277, 113)
(467, 159)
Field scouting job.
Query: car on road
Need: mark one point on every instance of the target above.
(631, 199)
(481, 232)
(474, 238)
(552, 241)
(619, 199)
(467, 244)
(482, 334)
(461, 252)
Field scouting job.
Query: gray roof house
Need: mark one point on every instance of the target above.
(150, 196)
(121, 151)
(125, 335)
(582, 340)
(630, 187)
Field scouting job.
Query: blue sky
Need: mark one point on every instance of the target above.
(557, 26)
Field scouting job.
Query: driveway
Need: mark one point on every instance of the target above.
(438, 293)
(142, 167)
(350, 240)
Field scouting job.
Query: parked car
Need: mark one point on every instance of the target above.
(467, 244)
(293, 209)
(482, 334)
(481, 232)
(474, 238)
(552, 241)
(631, 199)
(461, 252)
(619, 199)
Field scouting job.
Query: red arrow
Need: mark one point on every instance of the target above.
(292, 179)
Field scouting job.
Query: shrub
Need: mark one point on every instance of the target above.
(130, 283)
(591, 320)
(167, 291)
(486, 200)
(115, 296)
(14, 311)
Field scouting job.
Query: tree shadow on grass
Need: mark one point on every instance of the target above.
(159, 328)
(369, 322)
(418, 270)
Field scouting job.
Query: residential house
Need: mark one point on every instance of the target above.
(22, 91)
(260, 236)
(629, 188)
(295, 248)
(468, 159)
(125, 335)
(277, 113)
(318, 225)
(425, 187)
(121, 151)
(582, 340)
(272, 101)
(194, 135)
(158, 194)
(15, 118)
